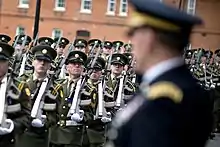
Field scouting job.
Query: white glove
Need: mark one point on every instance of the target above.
(106, 119)
(78, 117)
(39, 123)
(4, 131)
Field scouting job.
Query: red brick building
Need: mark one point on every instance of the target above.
(102, 18)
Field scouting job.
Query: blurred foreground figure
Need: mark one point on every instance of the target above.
(171, 109)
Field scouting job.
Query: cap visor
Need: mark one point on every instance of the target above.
(117, 62)
(3, 58)
(43, 58)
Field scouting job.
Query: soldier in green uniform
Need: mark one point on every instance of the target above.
(19, 46)
(117, 46)
(107, 50)
(17, 104)
(37, 132)
(68, 132)
(60, 48)
(94, 44)
(95, 125)
(80, 45)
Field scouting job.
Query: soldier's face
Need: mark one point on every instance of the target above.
(75, 68)
(3, 67)
(41, 66)
(107, 51)
(96, 74)
(144, 42)
(117, 69)
(80, 48)
(60, 51)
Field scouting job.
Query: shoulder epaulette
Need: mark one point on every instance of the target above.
(165, 89)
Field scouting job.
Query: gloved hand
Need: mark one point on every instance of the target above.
(39, 123)
(4, 131)
(106, 119)
(78, 117)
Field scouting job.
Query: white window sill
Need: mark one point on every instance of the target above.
(59, 9)
(123, 14)
(23, 6)
(110, 13)
(86, 11)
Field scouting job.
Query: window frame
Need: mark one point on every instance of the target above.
(109, 7)
(54, 32)
(57, 8)
(121, 8)
(83, 10)
(21, 4)
(191, 10)
(18, 30)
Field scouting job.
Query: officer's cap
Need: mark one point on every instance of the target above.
(118, 58)
(5, 38)
(108, 44)
(99, 64)
(117, 43)
(76, 57)
(21, 39)
(92, 42)
(129, 57)
(158, 15)
(45, 41)
(44, 52)
(63, 41)
(80, 43)
(6, 51)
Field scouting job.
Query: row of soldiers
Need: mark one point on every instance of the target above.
(62, 97)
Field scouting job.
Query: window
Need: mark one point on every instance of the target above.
(20, 30)
(56, 33)
(23, 4)
(86, 6)
(191, 7)
(59, 5)
(111, 7)
(123, 8)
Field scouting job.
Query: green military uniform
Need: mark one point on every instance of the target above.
(68, 133)
(18, 108)
(95, 130)
(107, 45)
(39, 135)
(94, 43)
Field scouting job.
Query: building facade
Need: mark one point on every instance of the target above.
(102, 18)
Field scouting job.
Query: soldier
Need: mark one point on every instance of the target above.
(95, 133)
(107, 50)
(117, 46)
(5, 38)
(61, 48)
(17, 106)
(69, 133)
(37, 132)
(127, 48)
(94, 44)
(170, 103)
(80, 44)
(19, 46)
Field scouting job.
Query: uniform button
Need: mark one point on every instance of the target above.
(45, 130)
(87, 126)
(78, 128)
(12, 140)
(66, 99)
(62, 115)
(64, 107)
(58, 123)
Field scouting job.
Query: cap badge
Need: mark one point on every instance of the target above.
(118, 58)
(129, 57)
(80, 41)
(0, 49)
(46, 40)
(118, 43)
(22, 38)
(108, 43)
(96, 41)
(76, 55)
(63, 40)
(3, 38)
(44, 51)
